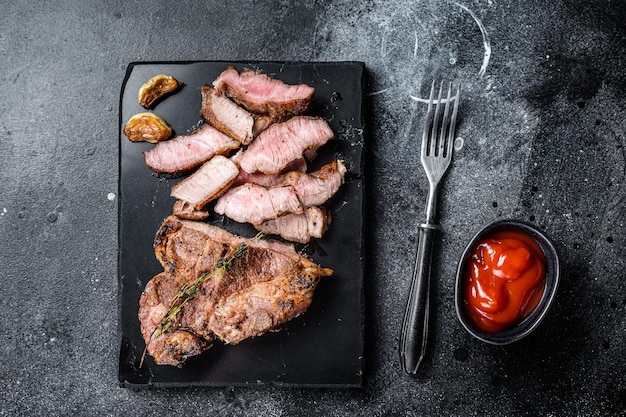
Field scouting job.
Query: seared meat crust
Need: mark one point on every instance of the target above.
(268, 286)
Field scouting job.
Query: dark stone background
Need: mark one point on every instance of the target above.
(543, 137)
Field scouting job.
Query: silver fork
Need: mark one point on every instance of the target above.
(437, 145)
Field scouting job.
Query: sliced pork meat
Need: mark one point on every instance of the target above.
(260, 93)
(186, 210)
(268, 286)
(315, 188)
(226, 116)
(185, 152)
(251, 203)
(266, 180)
(313, 223)
(285, 142)
(268, 196)
(210, 181)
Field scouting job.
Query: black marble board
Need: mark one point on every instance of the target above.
(322, 347)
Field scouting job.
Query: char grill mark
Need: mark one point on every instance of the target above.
(270, 285)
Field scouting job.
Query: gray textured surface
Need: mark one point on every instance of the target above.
(543, 141)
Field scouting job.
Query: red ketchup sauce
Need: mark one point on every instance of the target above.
(505, 280)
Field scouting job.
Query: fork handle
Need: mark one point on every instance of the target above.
(414, 333)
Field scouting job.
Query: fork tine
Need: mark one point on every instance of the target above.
(428, 123)
(450, 141)
(443, 142)
(435, 126)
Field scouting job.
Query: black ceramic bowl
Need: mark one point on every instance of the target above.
(533, 320)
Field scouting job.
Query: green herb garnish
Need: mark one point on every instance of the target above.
(187, 291)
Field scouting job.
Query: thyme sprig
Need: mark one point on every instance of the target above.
(188, 291)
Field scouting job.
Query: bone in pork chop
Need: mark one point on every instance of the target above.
(186, 152)
(251, 203)
(284, 142)
(268, 286)
(262, 94)
(209, 182)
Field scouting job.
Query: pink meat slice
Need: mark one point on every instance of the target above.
(251, 203)
(315, 188)
(260, 93)
(207, 183)
(266, 180)
(185, 152)
(226, 116)
(313, 223)
(285, 142)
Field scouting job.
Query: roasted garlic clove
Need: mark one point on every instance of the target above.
(156, 88)
(147, 127)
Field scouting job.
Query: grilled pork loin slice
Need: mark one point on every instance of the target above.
(260, 93)
(285, 142)
(186, 152)
(266, 180)
(315, 188)
(251, 203)
(268, 286)
(210, 181)
(280, 194)
(314, 222)
(226, 116)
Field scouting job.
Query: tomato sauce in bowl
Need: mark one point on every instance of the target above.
(506, 281)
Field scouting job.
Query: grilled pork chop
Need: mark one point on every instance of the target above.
(262, 94)
(186, 152)
(268, 286)
(284, 142)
